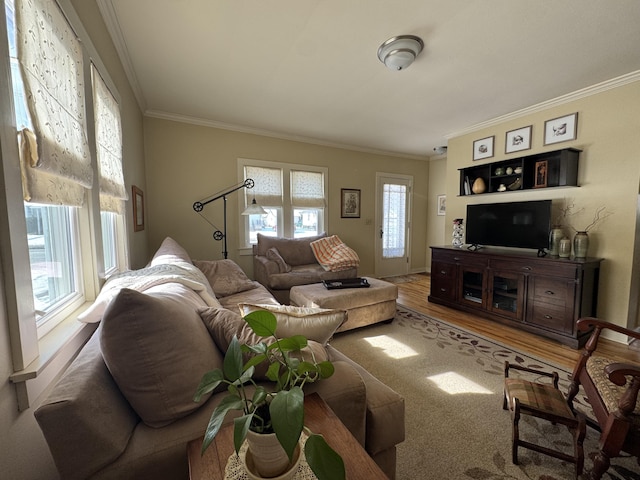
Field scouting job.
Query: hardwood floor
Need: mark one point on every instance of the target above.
(414, 294)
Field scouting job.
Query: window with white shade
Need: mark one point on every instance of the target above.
(294, 197)
(69, 238)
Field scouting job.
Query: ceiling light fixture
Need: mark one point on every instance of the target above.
(399, 52)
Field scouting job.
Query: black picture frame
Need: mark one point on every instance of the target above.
(138, 208)
(350, 203)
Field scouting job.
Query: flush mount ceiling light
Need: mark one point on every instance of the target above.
(399, 52)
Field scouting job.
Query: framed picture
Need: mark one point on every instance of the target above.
(561, 129)
(350, 200)
(483, 148)
(138, 209)
(517, 140)
(442, 204)
(541, 174)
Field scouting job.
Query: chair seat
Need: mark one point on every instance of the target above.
(609, 391)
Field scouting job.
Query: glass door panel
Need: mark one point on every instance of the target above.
(507, 292)
(472, 286)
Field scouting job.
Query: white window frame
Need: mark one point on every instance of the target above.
(285, 213)
(40, 354)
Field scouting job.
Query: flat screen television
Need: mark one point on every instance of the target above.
(513, 224)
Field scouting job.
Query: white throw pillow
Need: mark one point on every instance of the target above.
(317, 324)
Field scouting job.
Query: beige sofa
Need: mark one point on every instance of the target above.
(281, 263)
(124, 408)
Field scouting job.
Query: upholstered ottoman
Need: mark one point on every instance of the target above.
(364, 306)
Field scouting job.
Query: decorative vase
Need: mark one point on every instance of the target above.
(555, 236)
(564, 248)
(580, 244)
(266, 457)
(478, 186)
(458, 233)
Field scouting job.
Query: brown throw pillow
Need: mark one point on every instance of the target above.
(274, 256)
(157, 350)
(225, 277)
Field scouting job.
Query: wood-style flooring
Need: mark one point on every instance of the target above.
(414, 294)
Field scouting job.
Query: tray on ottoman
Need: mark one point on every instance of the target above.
(346, 283)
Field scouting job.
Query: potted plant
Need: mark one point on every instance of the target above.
(280, 411)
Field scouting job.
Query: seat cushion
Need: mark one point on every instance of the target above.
(609, 391)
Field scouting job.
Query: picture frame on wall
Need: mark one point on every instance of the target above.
(483, 148)
(138, 209)
(540, 172)
(350, 203)
(561, 129)
(518, 140)
(442, 204)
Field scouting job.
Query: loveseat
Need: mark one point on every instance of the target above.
(124, 408)
(281, 263)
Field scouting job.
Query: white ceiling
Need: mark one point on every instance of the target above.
(308, 68)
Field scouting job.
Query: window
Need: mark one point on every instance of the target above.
(294, 197)
(394, 205)
(67, 240)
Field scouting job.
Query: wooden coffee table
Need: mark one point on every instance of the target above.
(318, 417)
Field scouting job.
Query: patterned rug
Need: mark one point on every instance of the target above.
(452, 382)
(398, 279)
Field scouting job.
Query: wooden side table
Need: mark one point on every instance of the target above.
(318, 417)
(522, 397)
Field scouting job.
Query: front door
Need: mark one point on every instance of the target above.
(393, 204)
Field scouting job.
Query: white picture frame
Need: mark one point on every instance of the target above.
(518, 140)
(561, 129)
(442, 204)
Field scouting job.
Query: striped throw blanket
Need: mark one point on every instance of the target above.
(333, 254)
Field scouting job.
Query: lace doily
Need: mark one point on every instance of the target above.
(235, 469)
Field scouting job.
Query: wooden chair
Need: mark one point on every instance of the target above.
(612, 390)
(545, 401)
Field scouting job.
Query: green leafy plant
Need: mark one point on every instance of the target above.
(281, 410)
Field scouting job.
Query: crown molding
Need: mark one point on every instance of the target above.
(108, 12)
(281, 136)
(555, 102)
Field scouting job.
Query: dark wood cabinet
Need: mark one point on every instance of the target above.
(559, 167)
(543, 295)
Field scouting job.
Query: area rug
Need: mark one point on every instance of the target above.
(398, 279)
(452, 382)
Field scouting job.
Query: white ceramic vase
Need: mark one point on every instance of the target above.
(265, 457)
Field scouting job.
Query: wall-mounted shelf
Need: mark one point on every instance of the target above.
(543, 170)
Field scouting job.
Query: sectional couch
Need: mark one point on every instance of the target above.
(124, 408)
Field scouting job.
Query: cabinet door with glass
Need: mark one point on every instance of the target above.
(472, 279)
(506, 294)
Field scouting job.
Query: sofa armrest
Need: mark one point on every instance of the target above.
(263, 268)
(385, 409)
(85, 419)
